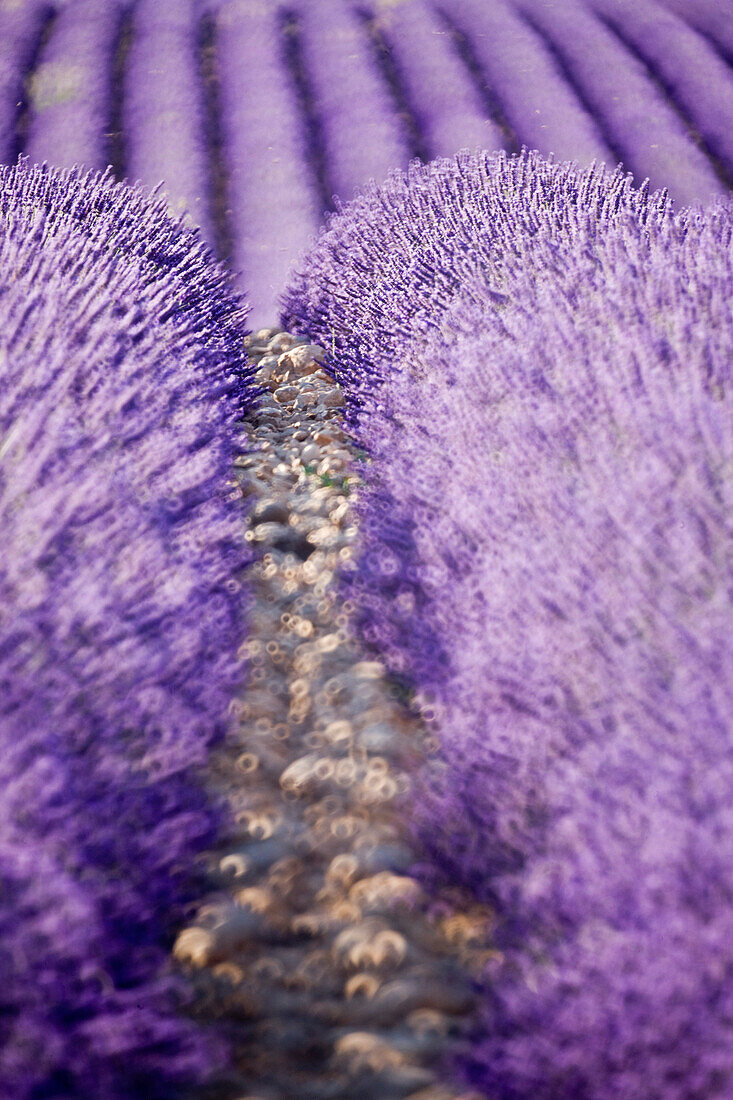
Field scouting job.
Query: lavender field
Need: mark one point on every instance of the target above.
(257, 113)
(367, 685)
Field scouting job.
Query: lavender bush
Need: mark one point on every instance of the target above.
(546, 555)
(122, 375)
(163, 108)
(370, 293)
(69, 90)
(273, 198)
(21, 26)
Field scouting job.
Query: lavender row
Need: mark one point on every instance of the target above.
(20, 31)
(643, 129)
(123, 374)
(693, 74)
(164, 123)
(711, 18)
(272, 197)
(546, 554)
(443, 97)
(366, 140)
(69, 90)
(542, 111)
(302, 104)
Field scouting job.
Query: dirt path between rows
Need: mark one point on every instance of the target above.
(325, 964)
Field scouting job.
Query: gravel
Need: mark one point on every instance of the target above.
(325, 964)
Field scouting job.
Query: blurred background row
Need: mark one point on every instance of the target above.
(257, 113)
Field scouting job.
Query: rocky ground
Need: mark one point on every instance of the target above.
(326, 965)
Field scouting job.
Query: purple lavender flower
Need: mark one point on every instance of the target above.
(546, 556)
(122, 369)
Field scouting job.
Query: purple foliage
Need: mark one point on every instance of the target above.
(547, 555)
(163, 109)
(70, 89)
(123, 373)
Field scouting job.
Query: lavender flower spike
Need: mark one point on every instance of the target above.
(121, 378)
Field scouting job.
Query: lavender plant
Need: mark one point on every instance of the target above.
(639, 122)
(120, 614)
(163, 108)
(443, 98)
(274, 203)
(546, 555)
(69, 90)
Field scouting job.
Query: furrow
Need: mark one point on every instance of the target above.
(324, 962)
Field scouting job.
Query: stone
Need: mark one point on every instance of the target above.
(281, 342)
(310, 454)
(316, 854)
(284, 395)
(332, 399)
(306, 355)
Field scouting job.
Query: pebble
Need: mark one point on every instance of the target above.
(286, 394)
(304, 358)
(309, 454)
(324, 437)
(282, 341)
(332, 398)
